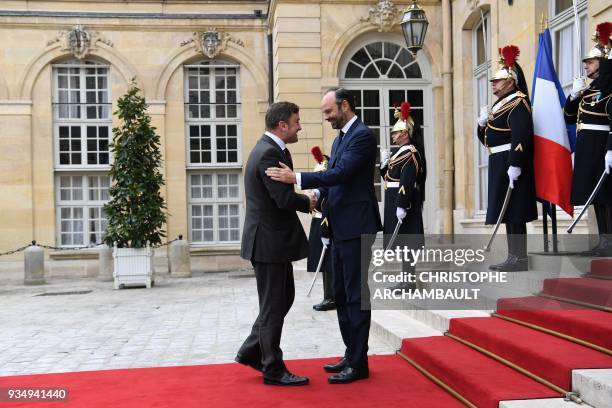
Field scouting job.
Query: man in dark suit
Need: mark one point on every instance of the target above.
(272, 238)
(348, 187)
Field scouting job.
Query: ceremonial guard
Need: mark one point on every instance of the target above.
(315, 243)
(590, 107)
(506, 130)
(404, 176)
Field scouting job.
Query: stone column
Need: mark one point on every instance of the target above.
(179, 260)
(34, 265)
(105, 263)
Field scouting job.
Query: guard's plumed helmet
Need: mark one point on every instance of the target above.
(404, 120)
(320, 158)
(508, 65)
(603, 45)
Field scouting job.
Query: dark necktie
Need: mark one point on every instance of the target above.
(340, 135)
(288, 155)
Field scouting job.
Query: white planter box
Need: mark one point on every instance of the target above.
(133, 267)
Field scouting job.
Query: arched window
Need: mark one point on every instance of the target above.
(82, 132)
(213, 122)
(382, 59)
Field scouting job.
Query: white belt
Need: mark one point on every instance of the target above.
(500, 148)
(317, 215)
(586, 126)
(392, 184)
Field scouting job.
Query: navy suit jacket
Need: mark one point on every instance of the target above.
(348, 184)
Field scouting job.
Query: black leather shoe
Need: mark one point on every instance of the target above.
(247, 362)
(348, 375)
(336, 367)
(287, 379)
(514, 264)
(326, 304)
(603, 249)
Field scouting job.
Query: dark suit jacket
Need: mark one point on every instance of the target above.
(272, 231)
(348, 184)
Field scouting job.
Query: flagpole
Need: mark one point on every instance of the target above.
(545, 225)
(578, 39)
(553, 216)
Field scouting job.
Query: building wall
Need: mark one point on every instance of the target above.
(309, 40)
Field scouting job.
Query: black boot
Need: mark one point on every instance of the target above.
(326, 304)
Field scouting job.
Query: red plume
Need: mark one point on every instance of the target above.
(603, 32)
(510, 54)
(405, 111)
(318, 155)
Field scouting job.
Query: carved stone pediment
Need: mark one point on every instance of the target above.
(212, 42)
(474, 4)
(79, 42)
(385, 15)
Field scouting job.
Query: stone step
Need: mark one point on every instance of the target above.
(392, 326)
(542, 403)
(570, 265)
(594, 386)
(440, 319)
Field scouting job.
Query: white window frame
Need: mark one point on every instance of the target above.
(215, 201)
(565, 19)
(85, 203)
(478, 72)
(212, 121)
(83, 123)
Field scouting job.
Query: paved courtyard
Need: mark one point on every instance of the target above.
(184, 321)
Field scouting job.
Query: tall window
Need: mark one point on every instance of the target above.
(212, 111)
(82, 123)
(480, 71)
(565, 44)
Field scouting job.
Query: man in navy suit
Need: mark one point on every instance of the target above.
(348, 187)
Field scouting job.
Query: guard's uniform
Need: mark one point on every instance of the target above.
(592, 113)
(403, 180)
(508, 137)
(319, 227)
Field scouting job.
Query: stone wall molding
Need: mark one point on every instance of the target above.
(211, 42)
(189, 52)
(54, 52)
(79, 42)
(384, 15)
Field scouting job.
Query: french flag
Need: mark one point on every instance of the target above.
(552, 142)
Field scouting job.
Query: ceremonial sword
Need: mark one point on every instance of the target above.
(487, 248)
(318, 269)
(589, 201)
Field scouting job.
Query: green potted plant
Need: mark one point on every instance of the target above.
(136, 211)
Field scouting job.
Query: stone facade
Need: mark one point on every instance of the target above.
(152, 41)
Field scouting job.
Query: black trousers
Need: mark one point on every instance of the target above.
(517, 239)
(350, 287)
(276, 292)
(603, 213)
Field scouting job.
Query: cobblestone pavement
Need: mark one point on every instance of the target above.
(184, 321)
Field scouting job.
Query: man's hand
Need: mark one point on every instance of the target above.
(325, 241)
(312, 197)
(513, 174)
(483, 117)
(608, 161)
(578, 86)
(400, 213)
(283, 174)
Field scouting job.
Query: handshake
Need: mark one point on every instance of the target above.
(313, 197)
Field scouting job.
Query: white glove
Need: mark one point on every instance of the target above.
(325, 241)
(400, 213)
(608, 161)
(483, 117)
(384, 157)
(578, 86)
(513, 174)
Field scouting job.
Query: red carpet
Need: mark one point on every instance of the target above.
(547, 356)
(601, 267)
(478, 378)
(590, 325)
(593, 291)
(393, 382)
